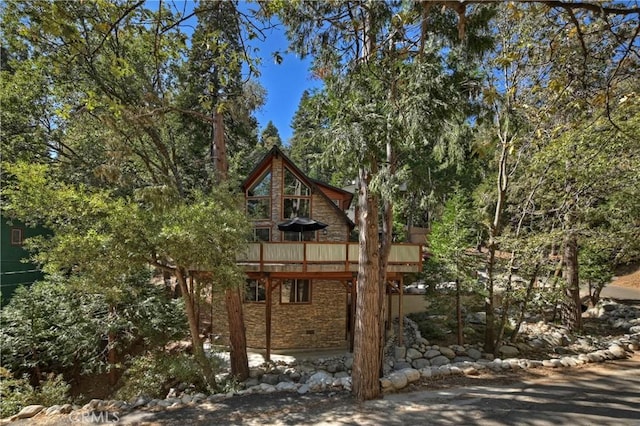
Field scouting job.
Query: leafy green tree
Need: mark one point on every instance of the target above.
(62, 325)
(137, 111)
(103, 236)
(450, 240)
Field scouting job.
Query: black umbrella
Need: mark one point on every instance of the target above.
(301, 224)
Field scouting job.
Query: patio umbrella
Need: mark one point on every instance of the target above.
(301, 224)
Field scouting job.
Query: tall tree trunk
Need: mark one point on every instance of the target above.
(494, 232)
(198, 349)
(459, 313)
(233, 298)
(366, 352)
(571, 308)
(237, 337)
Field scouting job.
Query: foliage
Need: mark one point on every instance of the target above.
(154, 373)
(451, 237)
(61, 324)
(18, 393)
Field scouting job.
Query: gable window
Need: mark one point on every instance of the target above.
(17, 236)
(297, 197)
(259, 198)
(261, 234)
(295, 291)
(255, 291)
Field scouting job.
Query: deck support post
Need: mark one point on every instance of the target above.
(401, 311)
(267, 310)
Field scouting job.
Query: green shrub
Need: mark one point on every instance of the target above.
(154, 373)
(18, 393)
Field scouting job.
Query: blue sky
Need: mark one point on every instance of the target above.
(284, 83)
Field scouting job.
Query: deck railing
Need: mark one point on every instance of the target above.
(322, 256)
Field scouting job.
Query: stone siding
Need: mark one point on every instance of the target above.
(319, 324)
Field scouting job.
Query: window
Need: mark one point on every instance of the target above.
(259, 198)
(336, 202)
(293, 185)
(255, 291)
(297, 197)
(296, 207)
(295, 291)
(17, 236)
(262, 188)
(261, 234)
(300, 236)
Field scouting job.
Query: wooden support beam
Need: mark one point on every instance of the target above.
(268, 318)
(401, 311)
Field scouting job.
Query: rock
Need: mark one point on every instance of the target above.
(251, 382)
(267, 388)
(28, 412)
(333, 368)
(461, 359)
(401, 365)
(444, 370)
(186, 398)
(470, 371)
(420, 363)
(256, 373)
(286, 386)
(270, 379)
(413, 354)
(400, 352)
(398, 380)
(508, 351)
(617, 351)
(54, 409)
(439, 360)
(425, 373)
(66, 409)
(635, 329)
(432, 353)
(319, 380)
(412, 374)
(474, 353)
(386, 384)
(449, 353)
(348, 362)
(341, 374)
(303, 389)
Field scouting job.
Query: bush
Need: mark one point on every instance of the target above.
(18, 393)
(154, 373)
(58, 324)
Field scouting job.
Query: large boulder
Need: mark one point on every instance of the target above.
(28, 412)
(508, 351)
(440, 360)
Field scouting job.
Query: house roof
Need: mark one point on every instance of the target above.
(315, 185)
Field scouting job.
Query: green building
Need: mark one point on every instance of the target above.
(13, 270)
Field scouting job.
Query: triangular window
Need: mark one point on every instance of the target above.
(262, 188)
(294, 186)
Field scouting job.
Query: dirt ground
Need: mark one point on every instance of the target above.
(628, 277)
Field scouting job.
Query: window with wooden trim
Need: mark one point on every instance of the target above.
(296, 198)
(299, 236)
(255, 291)
(261, 234)
(259, 198)
(295, 291)
(17, 236)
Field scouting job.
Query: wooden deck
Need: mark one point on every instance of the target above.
(309, 257)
